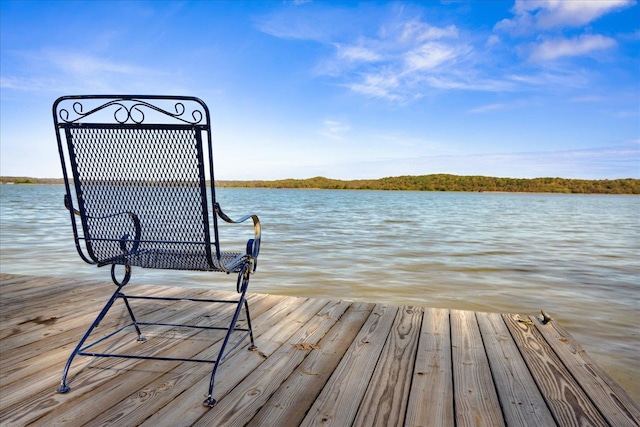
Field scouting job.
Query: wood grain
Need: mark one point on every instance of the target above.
(319, 362)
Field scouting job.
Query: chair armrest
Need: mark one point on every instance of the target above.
(253, 245)
(67, 205)
(125, 237)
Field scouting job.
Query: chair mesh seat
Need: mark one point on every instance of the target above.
(179, 260)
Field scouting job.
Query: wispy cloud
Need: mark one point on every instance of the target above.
(488, 108)
(430, 55)
(573, 78)
(401, 57)
(334, 129)
(85, 64)
(546, 19)
(357, 53)
(417, 30)
(380, 84)
(301, 23)
(533, 16)
(578, 46)
(53, 71)
(402, 62)
(23, 84)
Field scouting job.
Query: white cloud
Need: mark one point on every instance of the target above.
(562, 13)
(429, 56)
(357, 53)
(303, 23)
(395, 61)
(552, 14)
(547, 19)
(23, 84)
(582, 45)
(53, 71)
(399, 64)
(558, 78)
(377, 85)
(588, 99)
(488, 108)
(78, 63)
(402, 58)
(493, 40)
(446, 83)
(334, 129)
(632, 36)
(421, 31)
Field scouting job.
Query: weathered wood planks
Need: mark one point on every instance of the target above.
(320, 362)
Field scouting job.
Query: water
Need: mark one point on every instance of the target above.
(575, 256)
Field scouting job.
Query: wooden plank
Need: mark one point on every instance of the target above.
(567, 401)
(188, 382)
(385, 402)
(184, 382)
(71, 315)
(340, 400)
(65, 333)
(12, 282)
(61, 301)
(48, 377)
(15, 285)
(355, 376)
(431, 398)
(615, 404)
(239, 406)
(84, 380)
(52, 376)
(290, 403)
(13, 322)
(134, 382)
(69, 296)
(475, 399)
(274, 333)
(36, 290)
(521, 401)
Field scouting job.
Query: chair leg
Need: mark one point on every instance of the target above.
(133, 318)
(64, 387)
(253, 346)
(242, 303)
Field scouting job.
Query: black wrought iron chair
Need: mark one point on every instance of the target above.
(136, 172)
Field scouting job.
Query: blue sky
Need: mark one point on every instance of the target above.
(345, 90)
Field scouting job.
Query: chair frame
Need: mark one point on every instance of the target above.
(127, 112)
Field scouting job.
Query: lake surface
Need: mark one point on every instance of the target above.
(575, 256)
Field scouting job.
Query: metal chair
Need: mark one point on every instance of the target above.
(136, 172)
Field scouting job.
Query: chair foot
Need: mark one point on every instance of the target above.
(252, 348)
(141, 339)
(209, 402)
(62, 389)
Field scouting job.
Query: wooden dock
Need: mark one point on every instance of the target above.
(320, 362)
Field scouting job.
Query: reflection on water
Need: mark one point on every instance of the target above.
(575, 256)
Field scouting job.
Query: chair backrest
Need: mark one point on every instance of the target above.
(140, 167)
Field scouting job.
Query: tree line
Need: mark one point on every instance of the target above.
(446, 182)
(435, 182)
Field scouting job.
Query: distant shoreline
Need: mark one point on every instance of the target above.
(435, 182)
